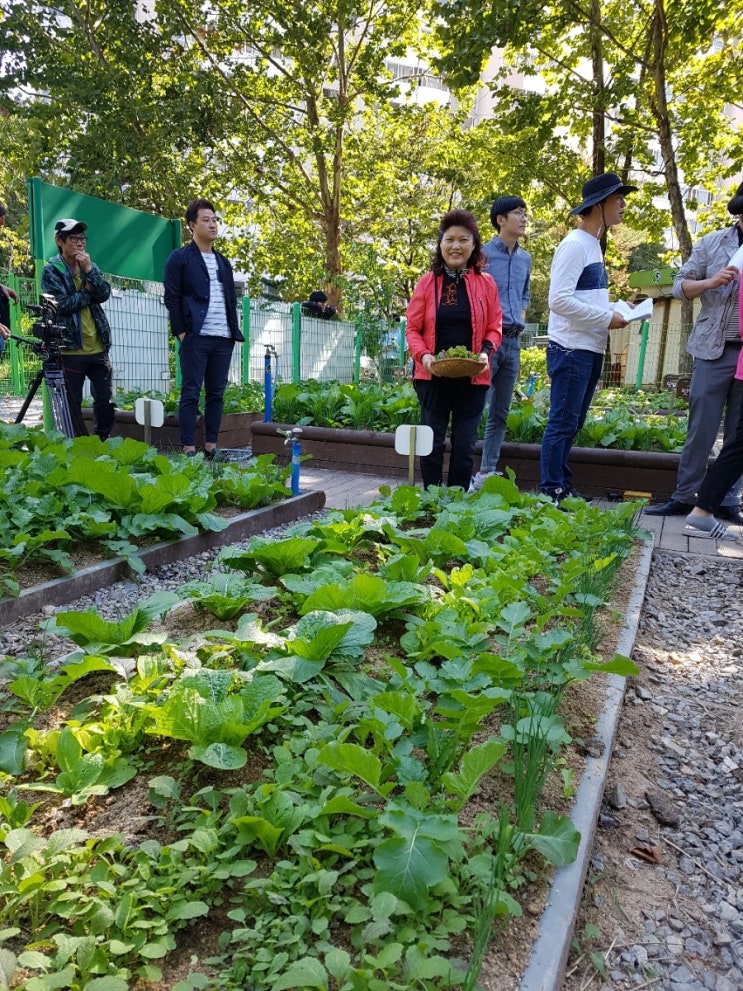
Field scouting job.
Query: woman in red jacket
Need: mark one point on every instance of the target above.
(456, 303)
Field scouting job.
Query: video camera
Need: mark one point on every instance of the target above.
(53, 335)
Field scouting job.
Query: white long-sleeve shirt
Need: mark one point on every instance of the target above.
(580, 311)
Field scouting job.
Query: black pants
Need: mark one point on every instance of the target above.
(725, 470)
(98, 370)
(457, 399)
(204, 361)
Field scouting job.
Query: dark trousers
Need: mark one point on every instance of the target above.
(726, 468)
(98, 370)
(457, 399)
(204, 361)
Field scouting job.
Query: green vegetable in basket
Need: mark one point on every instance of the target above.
(460, 351)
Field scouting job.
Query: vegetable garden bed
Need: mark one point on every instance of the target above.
(60, 591)
(335, 780)
(606, 473)
(234, 432)
(113, 500)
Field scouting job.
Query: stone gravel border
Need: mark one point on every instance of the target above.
(60, 591)
(549, 955)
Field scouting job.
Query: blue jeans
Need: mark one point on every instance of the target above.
(573, 379)
(204, 361)
(504, 373)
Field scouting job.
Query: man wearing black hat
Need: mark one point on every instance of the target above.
(318, 306)
(79, 288)
(715, 345)
(510, 266)
(580, 319)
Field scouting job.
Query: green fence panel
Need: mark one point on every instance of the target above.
(245, 351)
(129, 242)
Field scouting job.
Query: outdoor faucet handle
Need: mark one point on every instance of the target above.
(289, 435)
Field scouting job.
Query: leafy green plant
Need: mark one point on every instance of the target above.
(14, 812)
(225, 595)
(318, 638)
(126, 637)
(113, 496)
(214, 712)
(84, 774)
(41, 692)
(270, 557)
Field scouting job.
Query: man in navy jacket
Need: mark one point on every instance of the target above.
(202, 305)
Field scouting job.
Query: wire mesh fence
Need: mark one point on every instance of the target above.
(300, 347)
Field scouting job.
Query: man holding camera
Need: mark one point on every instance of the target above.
(79, 289)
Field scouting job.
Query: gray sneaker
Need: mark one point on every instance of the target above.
(478, 480)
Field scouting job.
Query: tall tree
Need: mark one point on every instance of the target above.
(297, 87)
(658, 86)
(105, 102)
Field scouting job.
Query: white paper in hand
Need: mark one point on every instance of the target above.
(642, 311)
(737, 260)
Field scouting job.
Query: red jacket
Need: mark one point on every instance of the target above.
(420, 331)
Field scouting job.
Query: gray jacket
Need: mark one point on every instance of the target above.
(710, 254)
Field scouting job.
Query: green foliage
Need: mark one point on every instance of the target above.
(243, 398)
(225, 595)
(629, 420)
(128, 637)
(215, 713)
(85, 774)
(344, 737)
(114, 496)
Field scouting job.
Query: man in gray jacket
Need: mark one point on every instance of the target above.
(715, 345)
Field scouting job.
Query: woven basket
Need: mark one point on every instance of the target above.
(453, 368)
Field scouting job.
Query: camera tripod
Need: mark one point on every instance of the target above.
(51, 372)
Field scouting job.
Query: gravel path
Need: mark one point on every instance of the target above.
(115, 601)
(675, 792)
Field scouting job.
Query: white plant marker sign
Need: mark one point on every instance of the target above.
(150, 413)
(413, 439)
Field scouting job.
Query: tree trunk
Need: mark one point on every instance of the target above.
(597, 64)
(659, 108)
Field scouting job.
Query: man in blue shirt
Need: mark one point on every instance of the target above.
(510, 266)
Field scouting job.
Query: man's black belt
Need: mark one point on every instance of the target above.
(511, 330)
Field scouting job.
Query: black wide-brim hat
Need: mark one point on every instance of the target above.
(599, 188)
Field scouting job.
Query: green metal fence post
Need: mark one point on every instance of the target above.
(177, 346)
(296, 342)
(245, 371)
(358, 347)
(644, 333)
(15, 352)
